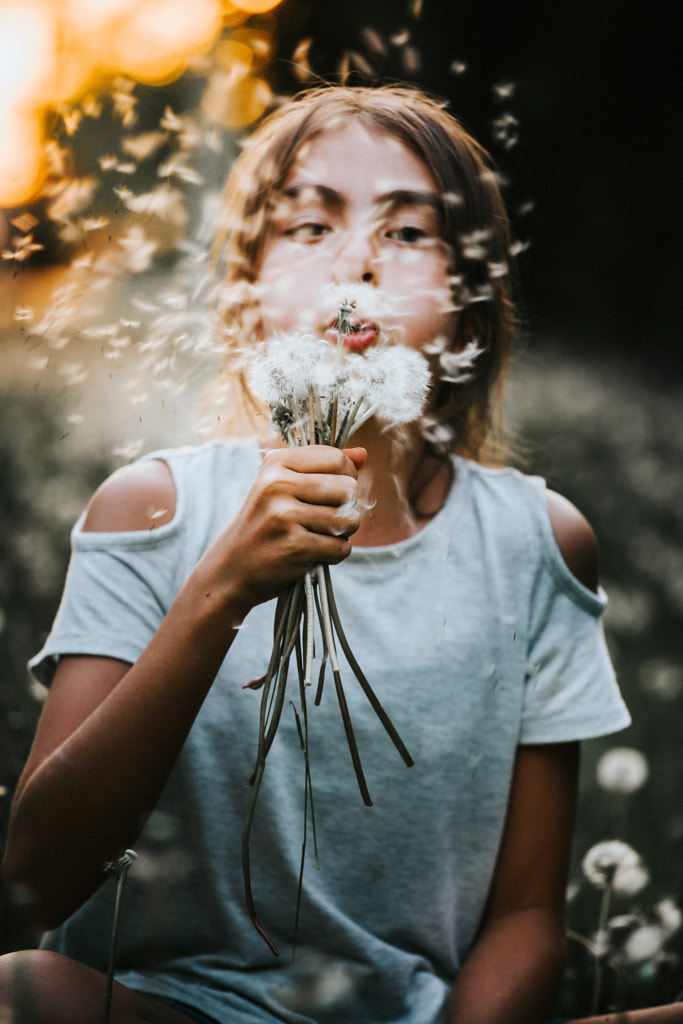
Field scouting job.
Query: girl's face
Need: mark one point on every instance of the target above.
(359, 218)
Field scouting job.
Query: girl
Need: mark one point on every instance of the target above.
(469, 594)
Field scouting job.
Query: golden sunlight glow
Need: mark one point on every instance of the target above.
(256, 6)
(52, 51)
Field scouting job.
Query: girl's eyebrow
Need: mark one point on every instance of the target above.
(393, 200)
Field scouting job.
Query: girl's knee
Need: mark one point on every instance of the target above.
(39, 985)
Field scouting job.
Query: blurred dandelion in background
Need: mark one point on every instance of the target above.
(616, 865)
(622, 770)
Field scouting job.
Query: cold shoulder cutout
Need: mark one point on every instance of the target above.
(138, 497)
(575, 539)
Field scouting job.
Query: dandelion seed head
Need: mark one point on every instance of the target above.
(615, 863)
(669, 916)
(622, 770)
(396, 381)
(662, 679)
(643, 944)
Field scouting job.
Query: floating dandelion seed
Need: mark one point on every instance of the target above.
(457, 67)
(71, 199)
(358, 61)
(72, 120)
(401, 37)
(23, 248)
(615, 864)
(300, 57)
(504, 91)
(622, 770)
(131, 450)
(143, 145)
(506, 130)
(412, 61)
(459, 367)
(24, 222)
(24, 315)
(373, 41)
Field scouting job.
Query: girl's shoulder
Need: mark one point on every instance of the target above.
(565, 535)
(154, 491)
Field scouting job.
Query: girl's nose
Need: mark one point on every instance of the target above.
(356, 259)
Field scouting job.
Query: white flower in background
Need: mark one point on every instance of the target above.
(669, 916)
(622, 770)
(615, 864)
(643, 944)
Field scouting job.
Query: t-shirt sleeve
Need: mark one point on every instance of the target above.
(571, 692)
(114, 597)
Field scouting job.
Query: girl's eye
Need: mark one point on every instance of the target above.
(409, 235)
(307, 232)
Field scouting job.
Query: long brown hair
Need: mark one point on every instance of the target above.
(465, 417)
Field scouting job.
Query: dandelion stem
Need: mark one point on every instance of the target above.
(355, 667)
(600, 958)
(120, 870)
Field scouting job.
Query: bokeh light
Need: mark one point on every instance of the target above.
(53, 51)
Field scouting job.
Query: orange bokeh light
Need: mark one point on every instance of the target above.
(51, 52)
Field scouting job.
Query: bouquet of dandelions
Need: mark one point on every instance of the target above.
(321, 394)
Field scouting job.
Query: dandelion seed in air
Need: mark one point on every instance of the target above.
(300, 57)
(506, 130)
(504, 91)
(457, 67)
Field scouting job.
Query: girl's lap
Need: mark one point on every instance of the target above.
(48, 988)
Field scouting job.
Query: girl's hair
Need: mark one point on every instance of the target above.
(464, 417)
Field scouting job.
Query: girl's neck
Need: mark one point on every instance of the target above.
(402, 486)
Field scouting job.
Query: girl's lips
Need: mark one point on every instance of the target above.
(358, 340)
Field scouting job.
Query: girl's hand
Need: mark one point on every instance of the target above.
(300, 510)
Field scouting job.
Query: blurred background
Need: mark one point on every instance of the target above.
(118, 122)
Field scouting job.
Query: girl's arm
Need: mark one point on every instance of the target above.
(110, 732)
(513, 971)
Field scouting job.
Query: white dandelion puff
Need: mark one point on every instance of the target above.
(643, 944)
(616, 864)
(622, 770)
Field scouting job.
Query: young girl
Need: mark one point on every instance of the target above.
(469, 595)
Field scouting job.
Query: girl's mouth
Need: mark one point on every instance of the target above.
(361, 337)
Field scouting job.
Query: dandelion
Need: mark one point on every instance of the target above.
(321, 394)
(616, 865)
(612, 866)
(643, 944)
(622, 770)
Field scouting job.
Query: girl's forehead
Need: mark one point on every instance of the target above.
(352, 151)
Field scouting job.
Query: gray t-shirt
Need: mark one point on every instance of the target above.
(475, 637)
